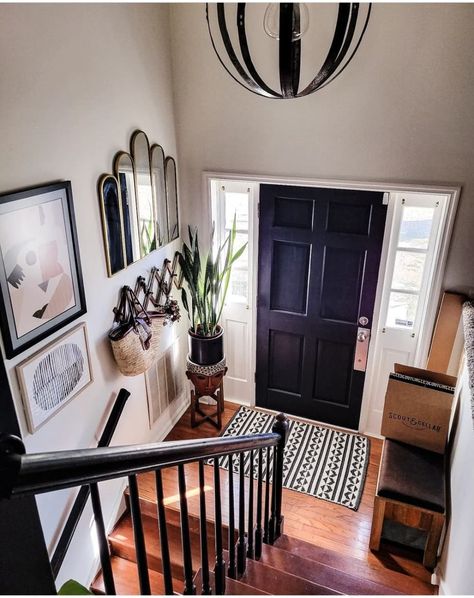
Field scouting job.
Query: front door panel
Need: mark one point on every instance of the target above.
(319, 255)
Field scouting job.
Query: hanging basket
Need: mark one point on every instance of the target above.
(131, 339)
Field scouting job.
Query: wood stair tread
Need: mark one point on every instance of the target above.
(389, 574)
(323, 574)
(126, 579)
(233, 587)
(280, 581)
(122, 544)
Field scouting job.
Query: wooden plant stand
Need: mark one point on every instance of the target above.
(207, 386)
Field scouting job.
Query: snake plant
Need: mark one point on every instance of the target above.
(207, 279)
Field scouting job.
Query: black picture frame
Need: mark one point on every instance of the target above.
(40, 266)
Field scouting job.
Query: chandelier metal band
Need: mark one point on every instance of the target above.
(343, 47)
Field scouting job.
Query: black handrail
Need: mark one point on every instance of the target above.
(83, 494)
(22, 474)
(44, 472)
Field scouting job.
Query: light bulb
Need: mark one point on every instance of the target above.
(271, 21)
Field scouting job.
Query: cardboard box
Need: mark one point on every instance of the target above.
(447, 343)
(418, 407)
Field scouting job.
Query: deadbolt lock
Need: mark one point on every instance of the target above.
(363, 321)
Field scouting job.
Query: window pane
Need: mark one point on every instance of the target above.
(408, 271)
(415, 227)
(401, 310)
(240, 239)
(237, 203)
(238, 287)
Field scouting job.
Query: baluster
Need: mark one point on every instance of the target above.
(165, 549)
(242, 544)
(250, 534)
(219, 569)
(258, 530)
(140, 549)
(231, 571)
(266, 519)
(271, 523)
(281, 427)
(189, 587)
(206, 588)
(102, 540)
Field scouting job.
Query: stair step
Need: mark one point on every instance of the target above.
(280, 581)
(126, 579)
(322, 574)
(383, 573)
(122, 544)
(232, 586)
(173, 517)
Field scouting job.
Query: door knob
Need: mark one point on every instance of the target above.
(361, 336)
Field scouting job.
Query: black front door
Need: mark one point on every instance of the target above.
(319, 255)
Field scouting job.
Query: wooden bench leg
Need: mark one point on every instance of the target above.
(377, 523)
(432, 542)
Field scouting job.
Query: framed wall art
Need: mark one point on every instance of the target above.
(54, 375)
(41, 288)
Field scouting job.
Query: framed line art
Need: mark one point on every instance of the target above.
(41, 288)
(53, 376)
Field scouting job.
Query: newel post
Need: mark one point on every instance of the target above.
(280, 426)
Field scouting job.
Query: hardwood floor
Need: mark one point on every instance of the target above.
(326, 525)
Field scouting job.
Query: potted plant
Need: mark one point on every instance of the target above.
(207, 280)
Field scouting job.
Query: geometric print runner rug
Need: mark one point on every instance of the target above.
(319, 461)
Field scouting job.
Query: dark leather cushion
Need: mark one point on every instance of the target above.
(413, 475)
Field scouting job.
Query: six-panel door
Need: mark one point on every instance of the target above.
(319, 255)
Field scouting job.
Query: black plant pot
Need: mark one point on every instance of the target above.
(206, 350)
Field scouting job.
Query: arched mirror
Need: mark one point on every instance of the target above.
(159, 189)
(172, 198)
(124, 171)
(111, 211)
(145, 209)
(139, 205)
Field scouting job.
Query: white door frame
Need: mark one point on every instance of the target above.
(452, 193)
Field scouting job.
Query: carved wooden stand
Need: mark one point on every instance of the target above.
(207, 386)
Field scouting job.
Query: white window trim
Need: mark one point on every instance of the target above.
(452, 194)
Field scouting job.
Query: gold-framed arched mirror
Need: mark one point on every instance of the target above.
(139, 203)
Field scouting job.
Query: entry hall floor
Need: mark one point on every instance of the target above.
(340, 534)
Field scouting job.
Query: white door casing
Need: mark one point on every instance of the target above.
(385, 348)
(238, 316)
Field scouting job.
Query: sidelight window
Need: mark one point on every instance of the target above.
(411, 260)
(236, 203)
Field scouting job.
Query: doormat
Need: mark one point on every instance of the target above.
(319, 461)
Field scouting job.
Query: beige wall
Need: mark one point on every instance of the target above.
(75, 81)
(402, 111)
(455, 569)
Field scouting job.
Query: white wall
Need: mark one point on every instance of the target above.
(456, 572)
(401, 111)
(75, 81)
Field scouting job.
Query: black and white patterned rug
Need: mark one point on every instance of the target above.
(319, 461)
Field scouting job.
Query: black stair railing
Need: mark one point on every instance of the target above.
(22, 474)
(83, 494)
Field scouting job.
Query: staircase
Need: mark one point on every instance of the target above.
(191, 528)
(290, 566)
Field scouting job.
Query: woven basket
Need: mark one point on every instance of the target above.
(132, 359)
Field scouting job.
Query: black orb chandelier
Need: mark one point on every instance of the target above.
(286, 23)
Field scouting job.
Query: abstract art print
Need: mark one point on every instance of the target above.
(40, 272)
(54, 375)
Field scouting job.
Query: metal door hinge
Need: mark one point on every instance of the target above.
(385, 199)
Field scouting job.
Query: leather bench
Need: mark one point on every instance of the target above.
(411, 490)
